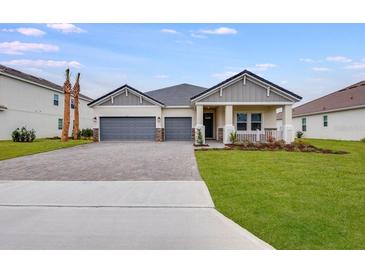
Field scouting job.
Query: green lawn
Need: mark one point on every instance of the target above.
(292, 200)
(10, 149)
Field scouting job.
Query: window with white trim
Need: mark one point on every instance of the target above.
(241, 123)
(256, 121)
(60, 123)
(304, 124)
(55, 99)
(325, 121)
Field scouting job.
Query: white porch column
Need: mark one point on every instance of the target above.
(287, 128)
(199, 123)
(228, 126)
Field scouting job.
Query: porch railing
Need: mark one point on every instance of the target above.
(259, 136)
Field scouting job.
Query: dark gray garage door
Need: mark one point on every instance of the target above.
(178, 128)
(127, 128)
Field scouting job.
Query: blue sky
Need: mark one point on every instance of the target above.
(309, 59)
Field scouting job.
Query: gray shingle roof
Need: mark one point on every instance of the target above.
(178, 95)
(36, 80)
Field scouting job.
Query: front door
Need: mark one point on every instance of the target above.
(208, 123)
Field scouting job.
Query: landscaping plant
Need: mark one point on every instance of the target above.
(23, 135)
(299, 134)
(66, 113)
(233, 137)
(85, 133)
(75, 93)
(199, 138)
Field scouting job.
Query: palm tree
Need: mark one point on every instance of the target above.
(66, 113)
(75, 92)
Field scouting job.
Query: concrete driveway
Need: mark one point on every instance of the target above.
(107, 161)
(115, 215)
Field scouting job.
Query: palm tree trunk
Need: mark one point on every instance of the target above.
(76, 92)
(66, 113)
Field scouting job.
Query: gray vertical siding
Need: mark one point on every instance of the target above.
(238, 92)
(124, 100)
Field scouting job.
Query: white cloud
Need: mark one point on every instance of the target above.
(224, 75)
(161, 76)
(262, 67)
(194, 35)
(219, 31)
(18, 48)
(42, 63)
(65, 28)
(307, 60)
(171, 31)
(320, 69)
(356, 66)
(26, 31)
(341, 59)
(283, 82)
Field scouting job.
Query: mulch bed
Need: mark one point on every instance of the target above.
(206, 145)
(298, 146)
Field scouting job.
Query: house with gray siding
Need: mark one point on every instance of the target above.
(244, 103)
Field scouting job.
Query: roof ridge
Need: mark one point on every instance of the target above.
(33, 78)
(175, 86)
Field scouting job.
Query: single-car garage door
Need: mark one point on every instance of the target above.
(178, 128)
(127, 128)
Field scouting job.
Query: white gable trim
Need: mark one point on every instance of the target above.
(243, 103)
(126, 90)
(246, 77)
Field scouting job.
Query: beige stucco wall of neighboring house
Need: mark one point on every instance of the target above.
(178, 112)
(127, 111)
(342, 125)
(32, 106)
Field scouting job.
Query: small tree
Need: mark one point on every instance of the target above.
(76, 92)
(199, 137)
(66, 113)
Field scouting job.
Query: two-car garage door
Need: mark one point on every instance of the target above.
(127, 128)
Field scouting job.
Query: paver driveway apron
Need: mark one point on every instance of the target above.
(128, 214)
(107, 161)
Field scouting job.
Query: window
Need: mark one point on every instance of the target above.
(325, 121)
(55, 99)
(241, 121)
(72, 103)
(304, 124)
(256, 121)
(60, 123)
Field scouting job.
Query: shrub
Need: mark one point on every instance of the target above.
(85, 133)
(299, 134)
(199, 137)
(363, 140)
(23, 135)
(233, 137)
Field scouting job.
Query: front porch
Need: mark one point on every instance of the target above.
(250, 123)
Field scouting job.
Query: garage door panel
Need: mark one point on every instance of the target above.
(127, 128)
(178, 128)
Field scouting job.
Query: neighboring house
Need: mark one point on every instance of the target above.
(245, 103)
(27, 100)
(338, 115)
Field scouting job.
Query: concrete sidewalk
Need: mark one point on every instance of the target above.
(116, 215)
